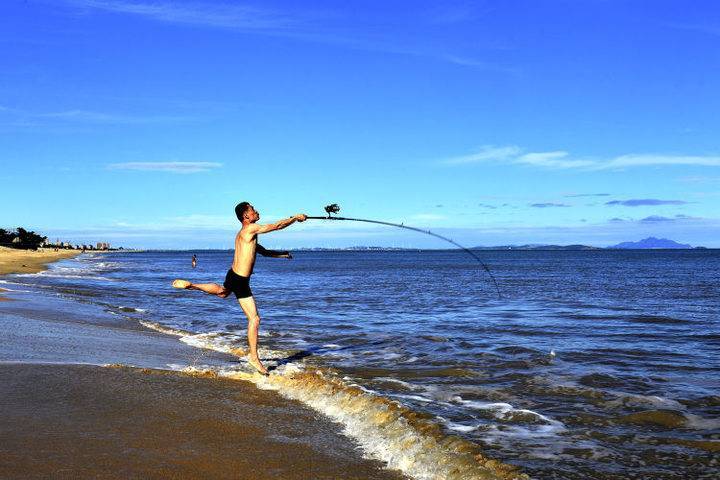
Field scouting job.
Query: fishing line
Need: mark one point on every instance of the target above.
(335, 208)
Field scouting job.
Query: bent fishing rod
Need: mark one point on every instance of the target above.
(335, 208)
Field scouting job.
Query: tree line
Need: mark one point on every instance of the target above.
(21, 238)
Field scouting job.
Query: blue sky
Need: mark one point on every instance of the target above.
(143, 123)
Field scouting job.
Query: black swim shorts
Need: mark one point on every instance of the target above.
(237, 284)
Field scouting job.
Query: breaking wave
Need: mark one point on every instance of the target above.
(385, 429)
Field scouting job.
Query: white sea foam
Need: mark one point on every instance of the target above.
(56, 274)
(132, 309)
(461, 428)
(404, 384)
(385, 429)
(701, 423)
(507, 412)
(413, 397)
(164, 329)
(634, 400)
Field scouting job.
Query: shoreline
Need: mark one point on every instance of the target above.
(31, 261)
(90, 394)
(43, 334)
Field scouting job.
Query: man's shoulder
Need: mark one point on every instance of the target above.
(248, 230)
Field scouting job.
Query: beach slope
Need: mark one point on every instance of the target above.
(71, 411)
(30, 261)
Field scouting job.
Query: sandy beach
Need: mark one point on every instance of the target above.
(87, 394)
(30, 261)
(80, 421)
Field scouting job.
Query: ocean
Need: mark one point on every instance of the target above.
(592, 364)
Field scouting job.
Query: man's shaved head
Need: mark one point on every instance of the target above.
(240, 209)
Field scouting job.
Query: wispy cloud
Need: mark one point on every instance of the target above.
(641, 160)
(26, 118)
(659, 218)
(481, 64)
(215, 14)
(697, 27)
(656, 219)
(515, 154)
(88, 116)
(576, 195)
(548, 205)
(447, 14)
(319, 26)
(560, 159)
(172, 167)
(640, 202)
(486, 153)
(699, 179)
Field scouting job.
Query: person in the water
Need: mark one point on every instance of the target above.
(237, 280)
(193, 262)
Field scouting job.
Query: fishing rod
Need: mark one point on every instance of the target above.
(335, 208)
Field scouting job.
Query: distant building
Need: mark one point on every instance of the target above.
(103, 246)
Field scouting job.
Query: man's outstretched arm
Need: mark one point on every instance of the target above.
(280, 224)
(272, 253)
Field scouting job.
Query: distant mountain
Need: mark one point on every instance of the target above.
(650, 243)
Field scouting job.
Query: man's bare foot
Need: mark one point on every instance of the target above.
(255, 362)
(181, 284)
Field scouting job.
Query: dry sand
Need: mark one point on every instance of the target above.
(30, 261)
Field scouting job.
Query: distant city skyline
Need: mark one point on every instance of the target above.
(142, 123)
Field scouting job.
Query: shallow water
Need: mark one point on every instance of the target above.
(594, 364)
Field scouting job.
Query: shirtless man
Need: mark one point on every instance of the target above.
(237, 280)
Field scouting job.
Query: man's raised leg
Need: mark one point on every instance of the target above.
(211, 288)
(248, 306)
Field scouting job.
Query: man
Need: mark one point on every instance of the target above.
(237, 280)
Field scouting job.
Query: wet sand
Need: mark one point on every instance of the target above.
(79, 421)
(3, 298)
(65, 415)
(30, 261)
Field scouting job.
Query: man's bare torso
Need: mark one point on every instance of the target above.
(245, 249)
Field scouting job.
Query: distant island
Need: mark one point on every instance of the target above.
(650, 243)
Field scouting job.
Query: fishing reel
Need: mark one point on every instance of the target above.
(332, 208)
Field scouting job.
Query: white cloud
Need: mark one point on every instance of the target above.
(560, 159)
(21, 117)
(557, 159)
(173, 167)
(225, 15)
(101, 117)
(486, 153)
(316, 25)
(647, 159)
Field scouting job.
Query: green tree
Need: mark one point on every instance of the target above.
(6, 237)
(29, 239)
